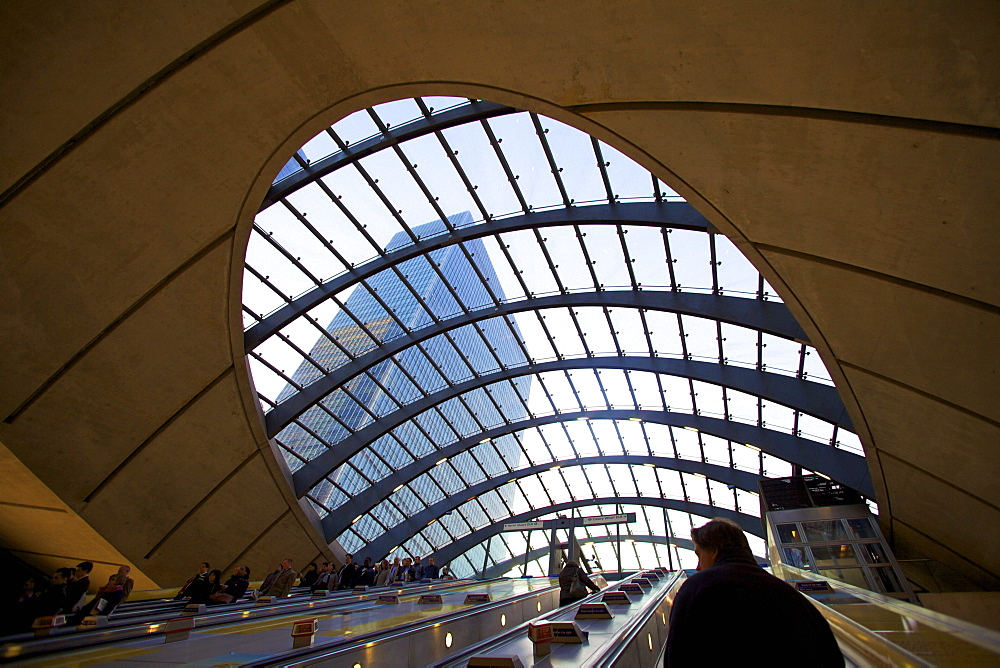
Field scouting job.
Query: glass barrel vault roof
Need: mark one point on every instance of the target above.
(457, 313)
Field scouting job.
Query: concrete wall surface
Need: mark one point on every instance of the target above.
(850, 150)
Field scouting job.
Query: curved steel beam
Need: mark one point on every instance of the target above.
(467, 113)
(842, 466)
(821, 401)
(335, 523)
(404, 531)
(680, 215)
(499, 569)
(770, 317)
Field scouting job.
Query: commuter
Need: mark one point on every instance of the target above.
(418, 569)
(271, 577)
(431, 570)
(233, 589)
(446, 574)
(366, 575)
(308, 577)
(382, 575)
(405, 571)
(393, 571)
(322, 582)
(200, 576)
(348, 573)
(573, 584)
(202, 592)
(20, 610)
(76, 590)
(108, 597)
(53, 600)
(733, 612)
(281, 585)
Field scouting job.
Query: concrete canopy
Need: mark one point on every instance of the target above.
(850, 152)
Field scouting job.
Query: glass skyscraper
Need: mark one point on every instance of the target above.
(411, 298)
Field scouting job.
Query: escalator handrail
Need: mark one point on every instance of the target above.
(292, 657)
(25, 646)
(522, 629)
(967, 631)
(613, 652)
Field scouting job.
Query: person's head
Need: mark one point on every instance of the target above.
(123, 571)
(246, 572)
(416, 560)
(348, 559)
(368, 562)
(395, 562)
(83, 569)
(286, 564)
(62, 576)
(215, 576)
(719, 539)
(311, 567)
(29, 584)
(203, 568)
(430, 560)
(113, 579)
(445, 571)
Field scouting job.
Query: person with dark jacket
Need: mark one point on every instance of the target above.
(53, 600)
(348, 573)
(76, 590)
(732, 612)
(573, 584)
(431, 569)
(202, 591)
(308, 577)
(198, 578)
(233, 589)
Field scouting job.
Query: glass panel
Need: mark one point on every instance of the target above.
(873, 553)
(835, 555)
(788, 533)
(852, 576)
(887, 579)
(796, 556)
(822, 531)
(862, 527)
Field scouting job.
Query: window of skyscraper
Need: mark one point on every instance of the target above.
(459, 314)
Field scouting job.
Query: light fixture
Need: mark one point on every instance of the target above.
(485, 440)
(752, 447)
(448, 639)
(441, 461)
(823, 476)
(636, 419)
(649, 641)
(652, 466)
(538, 606)
(398, 487)
(694, 429)
(503, 620)
(700, 475)
(356, 519)
(583, 418)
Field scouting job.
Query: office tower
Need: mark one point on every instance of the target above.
(411, 296)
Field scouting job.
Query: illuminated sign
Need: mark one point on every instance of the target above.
(387, 598)
(594, 611)
(430, 598)
(477, 598)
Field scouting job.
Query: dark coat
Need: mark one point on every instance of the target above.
(736, 613)
(567, 576)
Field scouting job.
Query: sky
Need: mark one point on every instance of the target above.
(575, 155)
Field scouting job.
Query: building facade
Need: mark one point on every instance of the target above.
(389, 305)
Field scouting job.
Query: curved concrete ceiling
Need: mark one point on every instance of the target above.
(849, 151)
